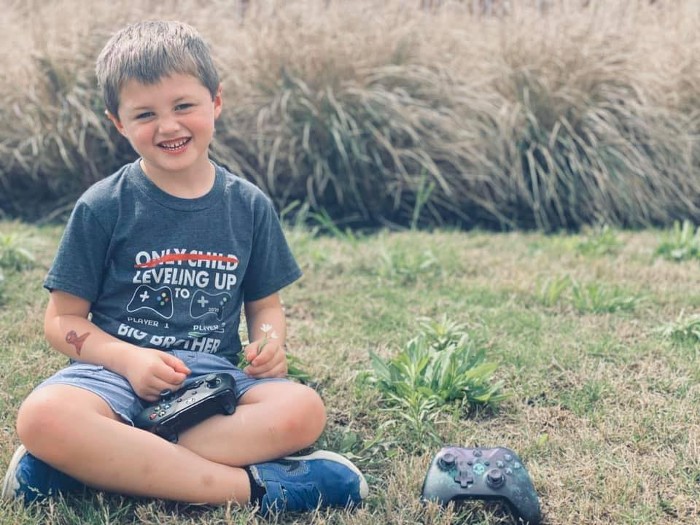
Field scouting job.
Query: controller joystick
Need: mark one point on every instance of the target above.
(495, 478)
(458, 473)
(447, 461)
(196, 401)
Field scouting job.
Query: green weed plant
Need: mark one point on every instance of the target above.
(438, 368)
(591, 297)
(682, 243)
(407, 265)
(601, 240)
(13, 256)
(599, 298)
(551, 290)
(685, 328)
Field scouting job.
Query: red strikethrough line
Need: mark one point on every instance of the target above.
(173, 257)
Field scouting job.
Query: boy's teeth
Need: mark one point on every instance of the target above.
(174, 145)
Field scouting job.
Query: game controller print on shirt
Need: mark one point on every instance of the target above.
(190, 287)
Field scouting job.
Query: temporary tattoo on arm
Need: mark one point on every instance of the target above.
(77, 341)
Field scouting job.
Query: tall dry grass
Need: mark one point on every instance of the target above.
(381, 112)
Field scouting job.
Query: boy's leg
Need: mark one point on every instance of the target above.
(272, 420)
(75, 431)
(78, 433)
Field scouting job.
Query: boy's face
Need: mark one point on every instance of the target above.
(170, 124)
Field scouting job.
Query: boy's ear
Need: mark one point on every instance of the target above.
(115, 120)
(218, 101)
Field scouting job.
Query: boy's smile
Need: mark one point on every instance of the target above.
(171, 124)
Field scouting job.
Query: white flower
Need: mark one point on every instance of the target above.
(265, 328)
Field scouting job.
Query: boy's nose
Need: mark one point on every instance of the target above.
(168, 124)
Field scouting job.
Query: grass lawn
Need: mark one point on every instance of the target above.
(596, 338)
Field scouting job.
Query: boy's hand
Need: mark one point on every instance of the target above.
(266, 358)
(151, 371)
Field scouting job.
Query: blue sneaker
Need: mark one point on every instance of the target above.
(30, 479)
(301, 483)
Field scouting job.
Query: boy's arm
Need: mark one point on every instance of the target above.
(267, 331)
(69, 331)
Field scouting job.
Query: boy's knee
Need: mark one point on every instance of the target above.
(308, 419)
(38, 419)
(316, 407)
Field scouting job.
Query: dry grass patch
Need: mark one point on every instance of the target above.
(601, 406)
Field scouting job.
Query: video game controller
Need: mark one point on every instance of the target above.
(458, 473)
(157, 300)
(189, 405)
(204, 303)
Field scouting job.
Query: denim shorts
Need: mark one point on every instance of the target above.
(118, 394)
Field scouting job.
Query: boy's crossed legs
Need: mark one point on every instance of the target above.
(77, 432)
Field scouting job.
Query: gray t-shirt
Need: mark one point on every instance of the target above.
(170, 273)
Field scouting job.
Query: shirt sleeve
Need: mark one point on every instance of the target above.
(79, 265)
(272, 265)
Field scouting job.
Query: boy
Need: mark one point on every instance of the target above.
(147, 287)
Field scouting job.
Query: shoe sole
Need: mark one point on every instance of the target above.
(332, 456)
(9, 487)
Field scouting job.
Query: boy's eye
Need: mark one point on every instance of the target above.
(144, 115)
(183, 106)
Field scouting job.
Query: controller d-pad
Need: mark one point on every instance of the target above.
(464, 478)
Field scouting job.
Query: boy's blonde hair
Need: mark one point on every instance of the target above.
(147, 52)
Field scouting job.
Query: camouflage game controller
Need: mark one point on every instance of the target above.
(482, 474)
(189, 405)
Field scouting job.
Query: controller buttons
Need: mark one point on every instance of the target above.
(477, 453)
(495, 478)
(479, 469)
(509, 471)
(508, 458)
(517, 465)
(500, 464)
(487, 463)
